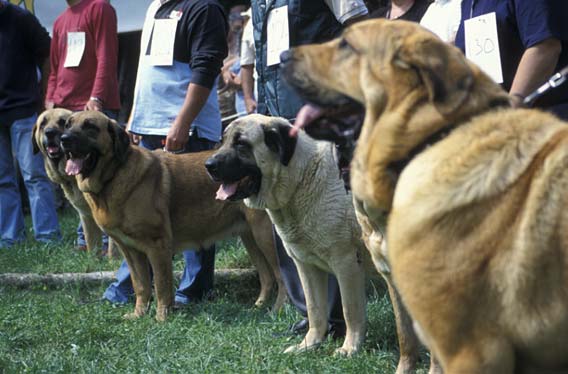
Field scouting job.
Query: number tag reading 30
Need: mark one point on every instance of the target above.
(482, 44)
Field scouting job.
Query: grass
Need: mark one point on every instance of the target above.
(69, 330)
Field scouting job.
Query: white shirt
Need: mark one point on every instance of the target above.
(443, 18)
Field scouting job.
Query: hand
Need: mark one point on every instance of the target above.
(93, 105)
(250, 104)
(49, 105)
(134, 138)
(231, 80)
(516, 100)
(177, 138)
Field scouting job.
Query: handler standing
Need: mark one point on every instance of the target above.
(175, 107)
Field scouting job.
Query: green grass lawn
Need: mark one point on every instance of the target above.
(69, 330)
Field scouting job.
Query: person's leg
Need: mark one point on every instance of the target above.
(120, 291)
(81, 243)
(197, 277)
(11, 215)
(38, 185)
(198, 274)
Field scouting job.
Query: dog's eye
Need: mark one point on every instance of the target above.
(242, 147)
(344, 44)
(91, 127)
(67, 125)
(43, 123)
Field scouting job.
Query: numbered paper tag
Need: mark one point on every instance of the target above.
(278, 36)
(75, 49)
(163, 38)
(482, 44)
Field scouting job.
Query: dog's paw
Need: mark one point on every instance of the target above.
(132, 316)
(346, 351)
(302, 347)
(162, 313)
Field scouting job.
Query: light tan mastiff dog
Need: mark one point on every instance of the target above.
(154, 204)
(478, 229)
(298, 183)
(45, 139)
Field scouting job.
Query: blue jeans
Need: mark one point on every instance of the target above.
(113, 114)
(15, 140)
(197, 278)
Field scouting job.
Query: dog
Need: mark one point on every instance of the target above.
(298, 183)
(46, 134)
(154, 204)
(475, 193)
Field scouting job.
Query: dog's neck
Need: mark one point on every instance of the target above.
(100, 177)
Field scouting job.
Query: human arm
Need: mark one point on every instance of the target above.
(39, 43)
(53, 67)
(106, 45)
(247, 81)
(537, 64)
(206, 38)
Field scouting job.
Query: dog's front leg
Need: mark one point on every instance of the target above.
(141, 280)
(161, 263)
(93, 233)
(351, 279)
(314, 283)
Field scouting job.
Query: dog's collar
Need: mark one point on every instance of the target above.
(398, 166)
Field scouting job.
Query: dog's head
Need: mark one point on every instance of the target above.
(250, 161)
(411, 84)
(47, 131)
(93, 142)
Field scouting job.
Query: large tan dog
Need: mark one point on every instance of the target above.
(478, 229)
(156, 203)
(298, 183)
(45, 139)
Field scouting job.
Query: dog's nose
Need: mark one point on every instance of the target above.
(51, 132)
(286, 56)
(211, 165)
(66, 140)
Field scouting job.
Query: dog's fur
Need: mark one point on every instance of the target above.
(154, 204)
(45, 139)
(478, 230)
(298, 183)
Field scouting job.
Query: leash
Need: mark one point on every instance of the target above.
(554, 81)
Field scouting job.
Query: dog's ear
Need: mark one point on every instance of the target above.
(120, 140)
(278, 140)
(35, 146)
(442, 68)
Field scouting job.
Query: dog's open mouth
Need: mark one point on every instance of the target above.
(80, 164)
(53, 151)
(241, 189)
(339, 124)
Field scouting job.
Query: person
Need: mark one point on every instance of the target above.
(533, 44)
(443, 18)
(408, 10)
(292, 23)
(248, 79)
(25, 49)
(175, 107)
(84, 52)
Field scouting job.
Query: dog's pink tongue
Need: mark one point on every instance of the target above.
(74, 166)
(226, 190)
(306, 115)
(52, 149)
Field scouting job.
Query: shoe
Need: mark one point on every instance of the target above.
(297, 328)
(81, 248)
(337, 330)
(300, 327)
(179, 306)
